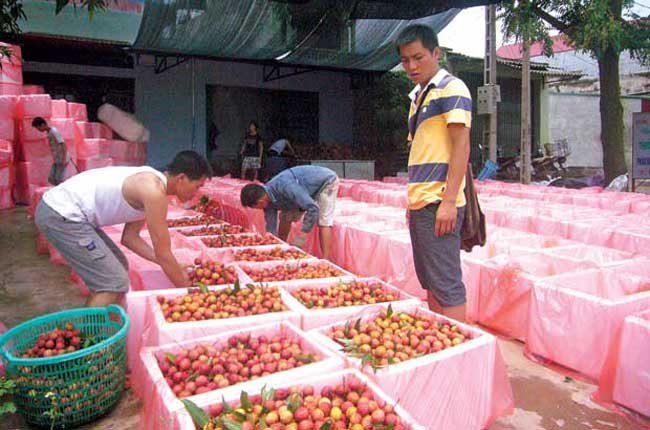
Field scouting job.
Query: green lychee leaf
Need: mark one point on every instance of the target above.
(267, 393)
(202, 287)
(294, 402)
(261, 424)
(368, 358)
(245, 401)
(357, 325)
(237, 287)
(227, 409)
(170, 357)
(389, 311)
(241, 417)
(199, 416)
(305, 358)
(192, 376)
(326, 426)
(231, 425)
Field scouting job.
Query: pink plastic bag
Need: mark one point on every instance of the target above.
(93, 148)
(184, 422)
(7, 128)
(160, 403)
(505, 288)
(470, 378)
(36, 150)
(33, 89)
(93, 163)
(77, 111)
(632, 383)
(574, 318)
(30, 106)
(11, 89)
(59, 108)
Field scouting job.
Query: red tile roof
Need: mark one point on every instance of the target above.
(513, 51)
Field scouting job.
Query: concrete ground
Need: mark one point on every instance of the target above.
(30, 285)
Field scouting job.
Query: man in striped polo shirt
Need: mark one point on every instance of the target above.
(439, 123)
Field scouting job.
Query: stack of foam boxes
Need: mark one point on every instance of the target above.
(11, 83)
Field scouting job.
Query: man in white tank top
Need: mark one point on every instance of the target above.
(71, 216)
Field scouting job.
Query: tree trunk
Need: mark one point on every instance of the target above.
(611, 116)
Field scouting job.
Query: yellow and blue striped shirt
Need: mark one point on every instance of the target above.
(448, 101)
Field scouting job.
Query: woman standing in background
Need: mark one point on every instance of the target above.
(252, 151)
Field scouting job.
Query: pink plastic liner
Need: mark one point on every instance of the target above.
(574, 318)
(470, 379)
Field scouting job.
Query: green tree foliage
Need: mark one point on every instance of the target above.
(602, 28)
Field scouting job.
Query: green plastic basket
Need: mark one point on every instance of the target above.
(71, 389)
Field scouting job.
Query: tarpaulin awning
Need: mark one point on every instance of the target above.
(319, 33)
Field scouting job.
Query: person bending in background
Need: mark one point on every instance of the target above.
(252, 151)
(308, 189)
(277, 161)
(71, 217)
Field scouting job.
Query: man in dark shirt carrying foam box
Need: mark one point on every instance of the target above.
(309, 189)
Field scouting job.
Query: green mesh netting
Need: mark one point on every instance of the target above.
(326, 33)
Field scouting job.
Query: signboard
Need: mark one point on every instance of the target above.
(641, 145)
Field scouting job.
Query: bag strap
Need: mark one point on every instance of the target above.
(416, 116)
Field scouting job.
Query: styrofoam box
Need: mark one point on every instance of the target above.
(159, 400)
(30, 106)
(505, 288)
(632, 382)
(227, 255)
(59, 108)
(161, 332)
(574, 318)
(93, 163)
(77, 111)
(183, 420)
(7, 128)
(8, 106)
(11, 73)
(27, 132)
(11, 89)
(89, 148)
(199, 239)
(469, 365)
(244, 266)
(313, 318)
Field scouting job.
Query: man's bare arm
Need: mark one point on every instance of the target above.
(132, 240)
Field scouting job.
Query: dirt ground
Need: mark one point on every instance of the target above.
(30, 285)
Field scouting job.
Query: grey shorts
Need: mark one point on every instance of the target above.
(437, 259)
(92, 254)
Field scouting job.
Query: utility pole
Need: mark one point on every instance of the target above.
(525, 165)
(490, 77)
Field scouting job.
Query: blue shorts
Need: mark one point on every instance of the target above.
(437, 259)
(92, 254)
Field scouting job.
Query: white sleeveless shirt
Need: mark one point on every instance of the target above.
(95, 196)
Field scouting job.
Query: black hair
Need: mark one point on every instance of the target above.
(420, 32)
(38, 121)
(255, 124)
(251, 194)
(193, 165)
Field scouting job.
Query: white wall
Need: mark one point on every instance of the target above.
(576, 117)
(164, 102)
